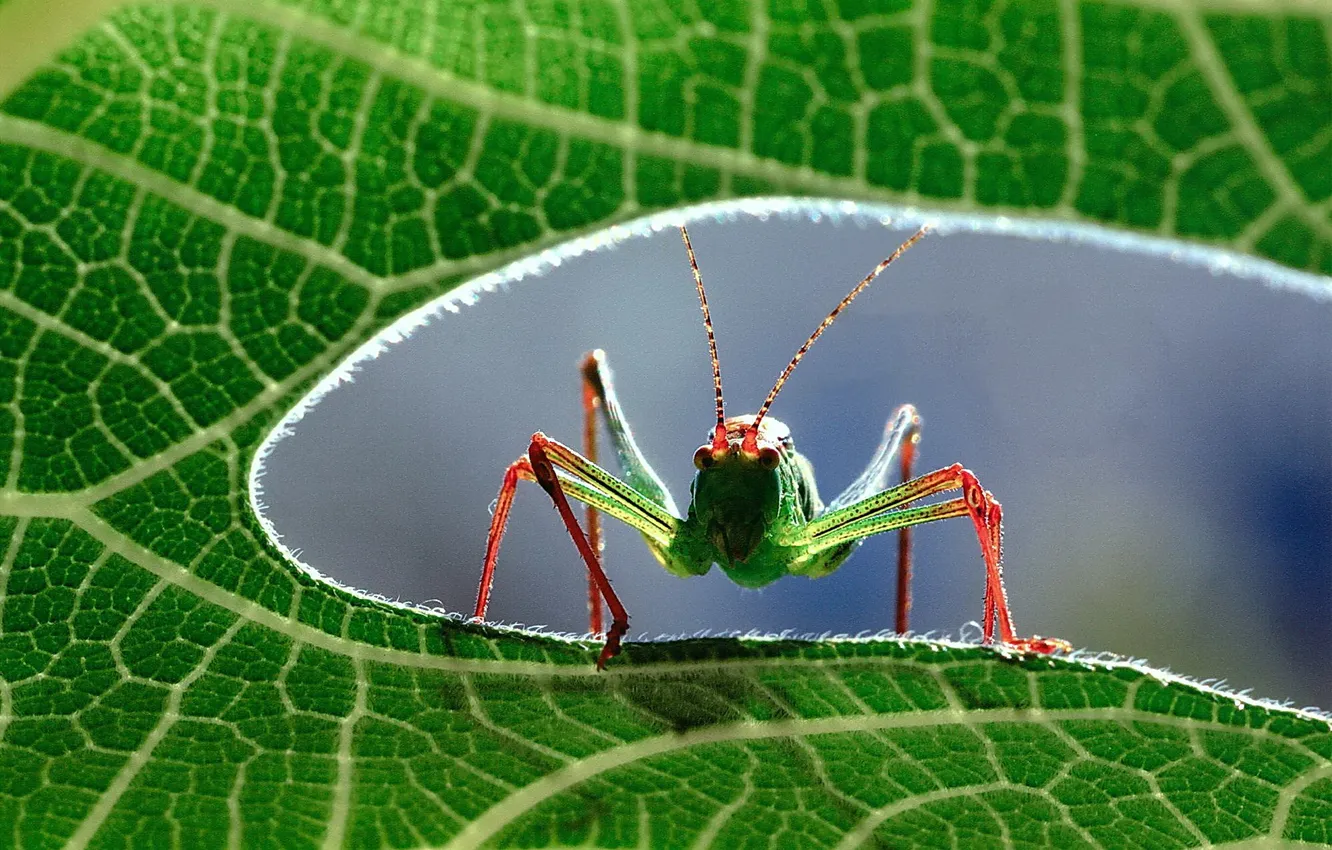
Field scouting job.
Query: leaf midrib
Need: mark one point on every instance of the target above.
(576, 771)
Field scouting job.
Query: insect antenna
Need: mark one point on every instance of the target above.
(719, 435)
(751, 434)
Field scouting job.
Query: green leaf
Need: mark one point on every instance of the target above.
(204, 208)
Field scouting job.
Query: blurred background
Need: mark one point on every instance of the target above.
(1160, 437)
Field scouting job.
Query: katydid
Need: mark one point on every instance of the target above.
(755, 510)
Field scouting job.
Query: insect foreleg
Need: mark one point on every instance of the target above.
(643, 514)
(499, 521)
(939, 481)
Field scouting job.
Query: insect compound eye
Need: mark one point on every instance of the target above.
(768, 458)
(703, 457)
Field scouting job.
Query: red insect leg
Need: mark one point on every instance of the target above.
(595, 624)
(519, 469)
(987, 516)
(908, 456)
(544, 471)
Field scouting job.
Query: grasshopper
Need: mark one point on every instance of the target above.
(755, 509)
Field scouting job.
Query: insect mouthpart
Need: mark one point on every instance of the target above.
(736, 539)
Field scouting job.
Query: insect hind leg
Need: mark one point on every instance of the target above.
(599, 394)
(897, 448)
(591, 401)
(564, 474)
(987, 516)
(544, 472)
(891, 510)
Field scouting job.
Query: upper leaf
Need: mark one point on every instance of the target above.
(204, 207)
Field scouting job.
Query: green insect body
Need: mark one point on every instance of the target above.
(745, 516)
(754, 508)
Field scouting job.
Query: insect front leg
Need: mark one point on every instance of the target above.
(888, 511)
(520, 469)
